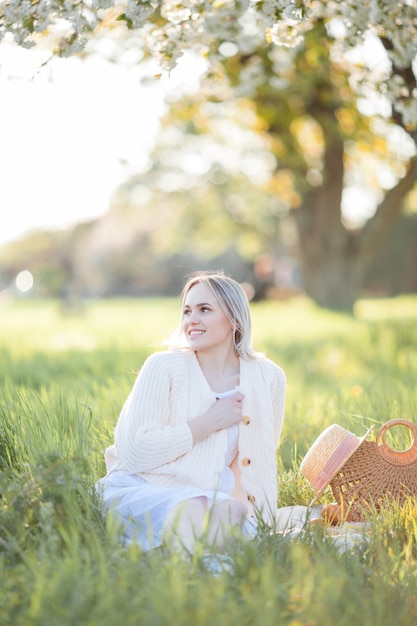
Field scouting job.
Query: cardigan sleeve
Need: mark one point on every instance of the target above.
(145, 438)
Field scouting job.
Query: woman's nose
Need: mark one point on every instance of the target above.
(193, 317)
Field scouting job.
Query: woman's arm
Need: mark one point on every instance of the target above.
(144, 437)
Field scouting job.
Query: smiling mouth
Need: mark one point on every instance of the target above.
(196, 333)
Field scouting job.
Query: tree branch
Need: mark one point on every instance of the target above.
(377, 228)
(410, 85)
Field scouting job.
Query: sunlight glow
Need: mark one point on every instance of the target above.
(24, 281)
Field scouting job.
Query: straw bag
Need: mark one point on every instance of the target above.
(376, 474)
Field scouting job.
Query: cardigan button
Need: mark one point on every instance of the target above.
(245, 461)
(251, 499)
(246, 420)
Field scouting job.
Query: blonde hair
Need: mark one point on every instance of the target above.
(234, 302)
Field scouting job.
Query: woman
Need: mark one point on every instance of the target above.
(195, 445)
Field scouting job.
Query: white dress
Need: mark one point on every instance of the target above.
(142, 507)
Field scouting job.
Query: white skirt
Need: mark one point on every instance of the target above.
(142, 508)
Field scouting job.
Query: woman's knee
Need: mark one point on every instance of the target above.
(226, 518)
(228, 513)
(185, 522)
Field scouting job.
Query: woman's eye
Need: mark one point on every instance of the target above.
(203, 309)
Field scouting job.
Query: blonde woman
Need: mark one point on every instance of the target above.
(194, 449)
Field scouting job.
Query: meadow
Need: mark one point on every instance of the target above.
(64, 377)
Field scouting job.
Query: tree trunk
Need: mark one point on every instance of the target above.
(333, 259)
(331, 272)
(334, 281)
(327, 250)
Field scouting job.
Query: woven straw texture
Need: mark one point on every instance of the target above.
(376, 475)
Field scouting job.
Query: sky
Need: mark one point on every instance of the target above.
(71, 132)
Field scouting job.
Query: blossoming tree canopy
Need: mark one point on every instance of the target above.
(169, 27)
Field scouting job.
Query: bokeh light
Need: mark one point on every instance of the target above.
(24, 281)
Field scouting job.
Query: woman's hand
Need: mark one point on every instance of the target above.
(222, 414)
(334, 514)
(226, 412)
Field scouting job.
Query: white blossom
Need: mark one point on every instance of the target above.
(284, 34)
(177, 12)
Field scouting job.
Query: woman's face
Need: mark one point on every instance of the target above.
(204, 322)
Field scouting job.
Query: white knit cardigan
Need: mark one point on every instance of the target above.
(153, 439)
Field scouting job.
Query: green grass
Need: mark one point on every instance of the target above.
(64, 377)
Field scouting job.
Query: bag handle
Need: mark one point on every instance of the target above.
(397, 457)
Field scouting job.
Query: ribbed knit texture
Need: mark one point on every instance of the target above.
(153, 439)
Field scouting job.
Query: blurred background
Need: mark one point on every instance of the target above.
(291, 175)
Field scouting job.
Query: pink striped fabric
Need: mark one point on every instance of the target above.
(335, 461)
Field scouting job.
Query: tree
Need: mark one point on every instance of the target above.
(306, 115)
(238, 39)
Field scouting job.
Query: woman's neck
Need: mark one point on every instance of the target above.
(221, 370)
